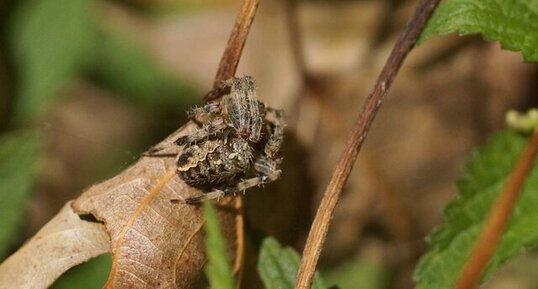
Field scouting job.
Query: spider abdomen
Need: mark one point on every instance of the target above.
(215, 162)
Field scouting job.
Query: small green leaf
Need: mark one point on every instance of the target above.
(218, 269)
(367, 272)
(513, 23)
(278, 266)
(19, 154)
(485, 175)
(50, 41)
(90, 275)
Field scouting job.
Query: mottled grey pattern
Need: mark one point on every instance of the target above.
(237, 144)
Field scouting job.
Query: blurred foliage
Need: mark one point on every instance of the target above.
(19, 155)
(123, 66)
(278, 266)
(218, 268)
(512, 23)
(90, 275)
(161, 7)
(364, 273)
(54, 41)
(51, 40)
(486, 174)
(50, 44)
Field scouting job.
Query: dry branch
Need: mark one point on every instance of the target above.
(320, 226)
(232, 53)
(226, 70)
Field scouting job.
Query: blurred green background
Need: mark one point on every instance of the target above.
(80, 99)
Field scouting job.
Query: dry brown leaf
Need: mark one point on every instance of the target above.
(64, 242)
(155, 238)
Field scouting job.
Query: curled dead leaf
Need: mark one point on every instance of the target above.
(155, 240)
(154, 237)
(65, 241)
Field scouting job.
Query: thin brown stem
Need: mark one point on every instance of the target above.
(240, 242)
(234, 48)
(320, 226)
(498, 218)
(226, 70)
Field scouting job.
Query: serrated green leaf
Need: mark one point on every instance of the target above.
(218, 269)
(484, 177)
(50, 41)
(278, 266)
(19, 154)
(89, 275)
(513, 23)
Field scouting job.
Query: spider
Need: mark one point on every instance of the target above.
(238, 137)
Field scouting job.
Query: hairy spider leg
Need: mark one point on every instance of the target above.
(199, 115)
(268, 170)
(255, 107)
(207, 110)
(276, 118)
(236, 106)
(215, 194)
(212, 127)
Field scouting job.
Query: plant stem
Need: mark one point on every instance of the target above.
(234, 48)
(498, 218)
(320, 226)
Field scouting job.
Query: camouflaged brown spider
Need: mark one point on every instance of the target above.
(237, 145)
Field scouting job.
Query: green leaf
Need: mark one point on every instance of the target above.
(367, 272)
(278, 266)
(19, 154)
(218, 269)
(50, 41)
(485, 175)
(90, 275)
(513, 23)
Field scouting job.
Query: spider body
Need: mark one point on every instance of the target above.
(214, 162)
(236, 146)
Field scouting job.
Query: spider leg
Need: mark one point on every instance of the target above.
(276, 118)
(268, 170)
(207, 110)
(201, 114)
(158, 155)
(215, 194)
(154, 152)
(236, 105)
(212, 127)
(256, 109)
